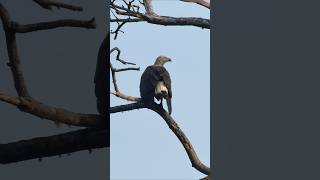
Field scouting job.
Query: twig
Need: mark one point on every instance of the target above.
(114, 79)
(47, 4)
(118, 56)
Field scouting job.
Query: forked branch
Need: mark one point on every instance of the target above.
(94, 136)
(114, 79)
(130, 12)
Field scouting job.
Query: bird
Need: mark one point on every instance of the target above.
(155, 82)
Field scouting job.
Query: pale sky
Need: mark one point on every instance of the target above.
(142, 145)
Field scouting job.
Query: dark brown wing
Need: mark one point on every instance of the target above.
(150, 78)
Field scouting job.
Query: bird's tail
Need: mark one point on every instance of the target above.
(169, 105)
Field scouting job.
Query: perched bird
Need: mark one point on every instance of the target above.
(156, 83)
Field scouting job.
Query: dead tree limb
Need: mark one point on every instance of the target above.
(132, 14)
(97, 132)
(47, 4)
(40, 147)
(200, 2)
(114, 79)
(59, 115)
(195, 161)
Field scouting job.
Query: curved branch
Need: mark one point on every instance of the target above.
(14, 60)
(60, 115)
(47, 4)
(53, 145)
(89, 24)
(200, 2)
(126, 107)
(148, 6)
(160, 20)
(114, 79)
(25, 102)
(196, 163)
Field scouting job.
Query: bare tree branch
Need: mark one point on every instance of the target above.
(31, 106)
(25, 102)
(127, 107)
(53, 145)
(152, 18)
(89, 24)
(196, 163)
(47, 4)
(127, 20)
(148, 6)
(114, 79)
(118, 56)
(200, 2)
(162, 20)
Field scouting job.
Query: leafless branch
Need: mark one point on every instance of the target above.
(200, 2)
(31, 106)
(118, 56)
(89, 24)
(25, 102)
(52, 145)
(47, 4)
(40, 147)
(127, 20)
(148, 7)
(196, 163)
(153, 18)
(114, 79)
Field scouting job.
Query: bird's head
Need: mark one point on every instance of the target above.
(161, 60)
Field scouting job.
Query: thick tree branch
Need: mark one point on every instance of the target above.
(54, 145)
(148, 6)
(127, 20)
(47, 4)
(25, 102)
(156, 19)
(127, 107)
(31, 106)
(11, 27)
(89, 24)
(196, 163)
(14, 60)
(200, 2)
